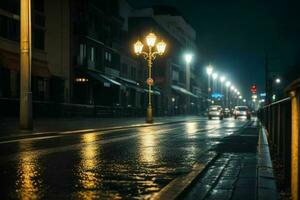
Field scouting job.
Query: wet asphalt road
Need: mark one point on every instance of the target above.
(128, 163)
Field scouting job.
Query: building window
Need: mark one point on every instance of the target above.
(3, 26)
(12, 6)
(39, 39)
(82, 53)
(124, 69)
(9, 28)
(92, 55)
(175, 75)
(39, 5)
(39, 20)
(133, 72)
(107, 58)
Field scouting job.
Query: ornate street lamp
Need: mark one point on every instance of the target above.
(150, 56)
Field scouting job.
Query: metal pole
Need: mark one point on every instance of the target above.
(149, 118)
(295, 147)
(208, 89)
(187, 77)
(25, 66)
(227, 97)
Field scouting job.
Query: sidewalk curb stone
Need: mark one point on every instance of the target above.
(266, 186)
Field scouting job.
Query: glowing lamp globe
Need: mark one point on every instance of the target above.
(138, 47)
(228, 83)
(215, 76)
(188, 57)
(209, 70)
(151, 39)
(161, 47)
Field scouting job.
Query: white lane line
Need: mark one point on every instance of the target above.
(83, 131)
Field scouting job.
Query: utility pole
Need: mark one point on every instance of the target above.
(187, 77)
(25, 66)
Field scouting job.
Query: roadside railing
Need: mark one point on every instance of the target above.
(281, 119)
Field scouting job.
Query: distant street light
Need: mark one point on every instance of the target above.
(150, 56)
(215, 76)
(188, 57)
(222, 79)
(209, 70)
(278, 80)
(228, 83)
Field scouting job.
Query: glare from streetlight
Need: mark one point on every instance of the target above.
(138, 47)
(232, 88)
(215, 76)
(188, 57)
(150, 39)
(222, 79)
(277, 80)
(228, 83)
(161, 47)
(209, 70)
(244, 100)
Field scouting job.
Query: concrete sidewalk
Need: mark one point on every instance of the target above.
(242, 171)
(10, 127)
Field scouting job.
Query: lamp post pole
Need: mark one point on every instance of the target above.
(25, 66)
(149, 118)
(209, 71)
(208, 89)
(149, 57)
(188, 58)
(187, 66)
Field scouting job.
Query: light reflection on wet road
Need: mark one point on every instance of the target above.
(130, 163)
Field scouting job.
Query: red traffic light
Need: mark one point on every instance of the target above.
(253, 89)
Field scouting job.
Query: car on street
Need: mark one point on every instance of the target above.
(227, 112)
(242, 111)
(215, 111)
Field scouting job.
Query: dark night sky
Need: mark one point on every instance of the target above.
(233, 35)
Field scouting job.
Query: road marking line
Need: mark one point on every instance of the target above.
(39, 135)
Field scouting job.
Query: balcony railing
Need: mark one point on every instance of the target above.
(281, 119)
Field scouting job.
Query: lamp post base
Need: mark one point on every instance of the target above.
(149, 118)
(26, 122)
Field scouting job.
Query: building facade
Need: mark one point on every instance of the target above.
(50, 50)
(83, 56)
